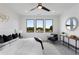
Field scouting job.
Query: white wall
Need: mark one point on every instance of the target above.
(43, 36)
(9, 26)
(73, 12)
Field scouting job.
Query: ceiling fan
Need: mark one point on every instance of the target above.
(40, 6)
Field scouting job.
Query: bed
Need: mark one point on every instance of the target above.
(25, 46)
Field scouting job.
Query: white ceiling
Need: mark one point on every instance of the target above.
(24, 8)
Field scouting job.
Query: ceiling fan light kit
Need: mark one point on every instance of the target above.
(40, 6)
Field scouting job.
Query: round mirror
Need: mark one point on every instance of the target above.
(72, 23)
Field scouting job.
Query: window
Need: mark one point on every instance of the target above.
(48, 26)
(30, 26)
(39, 27)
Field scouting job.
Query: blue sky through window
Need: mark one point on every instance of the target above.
(48, 23)
(39, 23)
(30, 23)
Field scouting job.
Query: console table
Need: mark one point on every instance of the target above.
(70, 38)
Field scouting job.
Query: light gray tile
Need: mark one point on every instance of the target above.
(57, 48)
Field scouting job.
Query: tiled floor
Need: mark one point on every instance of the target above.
(50, 48)
(57, 48)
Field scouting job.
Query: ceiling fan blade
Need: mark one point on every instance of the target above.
(44, 8)
(33, 9)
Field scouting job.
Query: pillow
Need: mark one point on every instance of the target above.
(10, 37)
(1, 39)
(14, 36)
(5, 38)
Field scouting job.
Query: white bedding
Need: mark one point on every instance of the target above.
(22, 47)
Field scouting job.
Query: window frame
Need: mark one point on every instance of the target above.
(36, 26)
(45, 25)
(33, 25)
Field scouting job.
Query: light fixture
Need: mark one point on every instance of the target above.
(39, 7)
(3, 18)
